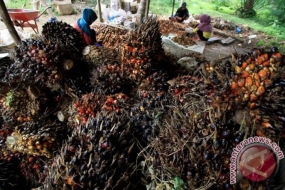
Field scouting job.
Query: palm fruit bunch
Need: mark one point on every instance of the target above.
(35, 170)
(141, 50)
(65, 35)
(77, 79)
(111, 36)
(10, 175)
(100, 156)
(4, 64)
(22, 104)
(116, 103)
(254, 74)
(108, 78)
(166, 27)
(156, 82)
(194, 140)
(184, 40)
(144, 122)
(86, 108)
(36, 61)
(100, 55)
(39, 138)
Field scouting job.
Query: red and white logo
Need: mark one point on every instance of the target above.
(257, 162)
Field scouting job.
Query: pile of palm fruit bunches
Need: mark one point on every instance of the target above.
(126, 116)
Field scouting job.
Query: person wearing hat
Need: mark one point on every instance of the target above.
(181, 14)
(83, 26)
(204, 29)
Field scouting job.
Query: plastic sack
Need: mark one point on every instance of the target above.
(114, 4)
(6, 39)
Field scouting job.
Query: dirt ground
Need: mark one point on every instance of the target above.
(212, 51)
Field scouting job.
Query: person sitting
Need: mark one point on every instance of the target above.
(204, 29)
(181, 14)
(83, 26)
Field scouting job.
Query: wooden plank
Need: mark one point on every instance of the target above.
(9, 24)
(217, 32)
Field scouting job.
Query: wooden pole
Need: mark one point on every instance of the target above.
(9, 24)
(147, 9)
(99, 10)
(173, 3)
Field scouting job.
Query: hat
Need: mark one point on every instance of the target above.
(183, 4)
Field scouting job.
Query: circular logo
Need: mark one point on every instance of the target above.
(257, 162)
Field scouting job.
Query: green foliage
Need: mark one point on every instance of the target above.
(278, 9)
(18, 4)
(260, 43)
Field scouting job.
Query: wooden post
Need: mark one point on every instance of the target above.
(9, 24)
(147, 9)
(173, 3)
(99, 10)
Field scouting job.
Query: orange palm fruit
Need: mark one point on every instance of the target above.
(241, 82)
(260, 91)
(253, 97)
(248, 81)
(263, 74)
(244, 74)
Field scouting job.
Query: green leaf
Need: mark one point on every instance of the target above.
(178, 184)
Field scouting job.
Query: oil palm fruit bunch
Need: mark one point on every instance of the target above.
(77, 79)
(141, 50)
(23, 104)
(144, 122)
(35, 169)
(111, 36)
(102, 156)
(36, 61)
(269, 112)
(108, 79)
(4, 64)
(116, 103)
(95, 55)
(254, 74)
(10, 176)
(156, 82)
(86, 108)
(64, 34)
(39, 138)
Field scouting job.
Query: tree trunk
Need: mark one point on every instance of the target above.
(141, 10)
(248, 5)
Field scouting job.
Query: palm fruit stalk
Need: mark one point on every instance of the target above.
(65, 35)
(111, 36)
(141, 49)
(40, 138)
